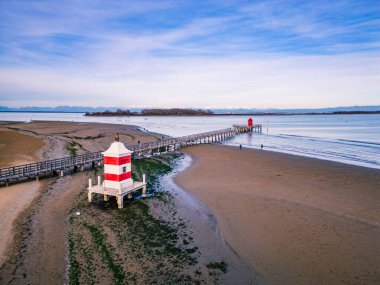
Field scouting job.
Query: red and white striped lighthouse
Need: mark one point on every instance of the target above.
(117, 166)
(117, 175)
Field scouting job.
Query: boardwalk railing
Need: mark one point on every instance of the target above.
(60, 165)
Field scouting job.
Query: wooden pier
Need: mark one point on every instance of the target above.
(60, 166)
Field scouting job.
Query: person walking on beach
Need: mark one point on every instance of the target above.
(240, 147)
(262, 146)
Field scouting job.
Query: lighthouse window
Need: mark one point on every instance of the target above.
(124, 169)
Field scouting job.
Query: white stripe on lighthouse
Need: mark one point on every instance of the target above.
(115, 169)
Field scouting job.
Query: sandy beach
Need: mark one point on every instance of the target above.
(295, 220)
(288, 219)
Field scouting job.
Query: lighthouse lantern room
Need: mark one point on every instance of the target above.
(118, 180)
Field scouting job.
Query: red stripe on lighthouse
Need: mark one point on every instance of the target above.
(116, 177)
(117, 160)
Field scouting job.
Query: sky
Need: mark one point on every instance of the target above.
(199, 54)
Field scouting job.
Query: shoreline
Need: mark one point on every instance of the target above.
(284, 214)
(301, 155)
(206, 230)
(44, 236)
(44, 154)
(263, 210)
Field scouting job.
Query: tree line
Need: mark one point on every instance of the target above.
(154, 112)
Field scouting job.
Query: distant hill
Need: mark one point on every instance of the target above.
(84, 109)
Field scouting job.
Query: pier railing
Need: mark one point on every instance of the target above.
(80, 162)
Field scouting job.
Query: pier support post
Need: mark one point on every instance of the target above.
(89, 196)
(37, 178)
(99, 181)
(82, 167)
(144, 187)
(144, 191)
(90, 183)
(105, 198)
(120, 202)
(61, 173)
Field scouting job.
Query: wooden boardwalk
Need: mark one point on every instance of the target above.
(93, 159)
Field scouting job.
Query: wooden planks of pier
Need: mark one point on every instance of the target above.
(60, 166)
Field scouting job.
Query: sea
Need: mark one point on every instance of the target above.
(350, 139)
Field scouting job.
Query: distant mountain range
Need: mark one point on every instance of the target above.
(299, 111)
(84, 109)
(61, 109)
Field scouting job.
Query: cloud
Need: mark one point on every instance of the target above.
(259, 81)
(265, 54)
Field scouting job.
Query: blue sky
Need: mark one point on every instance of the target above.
(281, 54)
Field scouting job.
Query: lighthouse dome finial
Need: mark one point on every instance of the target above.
(117, 139)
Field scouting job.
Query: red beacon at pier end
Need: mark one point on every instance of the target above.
(250, 122)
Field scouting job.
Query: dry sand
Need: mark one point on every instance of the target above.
(15, 149)
(295, 220)
(87, 136)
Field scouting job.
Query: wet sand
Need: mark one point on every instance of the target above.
(39, 255)
(295, 220)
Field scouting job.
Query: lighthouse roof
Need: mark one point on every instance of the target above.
(117, 149)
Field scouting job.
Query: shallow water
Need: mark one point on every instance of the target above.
(352, 139)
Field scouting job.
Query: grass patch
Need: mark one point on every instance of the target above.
(100, 243)
(131, 136)
(222, 266)
(84, 138)
(154, 166)
(72, 147)
(155, 236)
(74, 269)
(27, 131)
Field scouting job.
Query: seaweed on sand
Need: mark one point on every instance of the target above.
(137, 244)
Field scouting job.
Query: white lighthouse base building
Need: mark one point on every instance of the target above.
(118, 180)
(125, 191)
